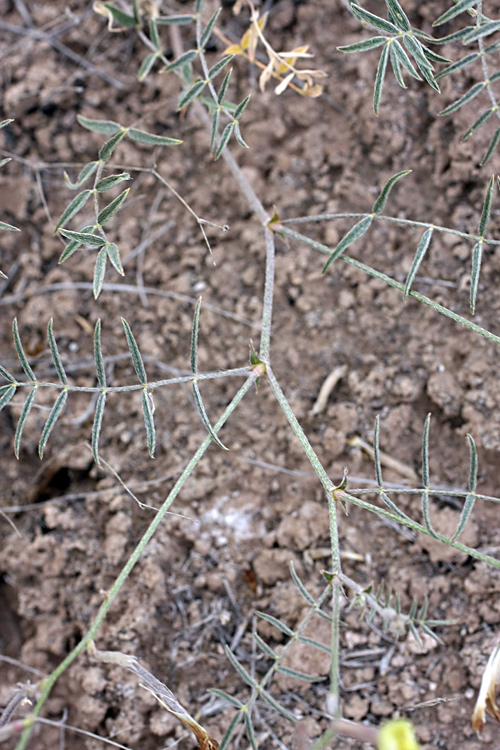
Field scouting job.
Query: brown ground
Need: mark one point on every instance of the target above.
(252, 510)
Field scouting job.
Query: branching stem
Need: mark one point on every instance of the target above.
(49, 682)
(334, 536)
(267, 312)
(396, 284)
(236, 372)
(343, 496)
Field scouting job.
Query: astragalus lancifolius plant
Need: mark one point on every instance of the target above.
(231, 266)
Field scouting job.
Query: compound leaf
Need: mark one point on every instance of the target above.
(98, 357)
(458, 65)
(194, 338)
(114, 256)
(128, 22)
(239, 668)
(108, 148)
(109, 182)
(485, 214)
(277, 623)
(184, 59)
(465, 99)
(249, 730)
(216, 69)
(136, 355)
(8, 392)
(379, 78)
(473, 464)
(315, 644)
(241, 107)
(237, 718)
(373, 20)
(425, 452)
(110, 210)
(477, 254)
(147, 65)
(207, 32)
(226, 135)
(215, 130)
(84, 237)
(204, 417)
(86, 172)
(379, 204)
(99, 271)
(465, 515)
(96, 427)
(419, 256)
(264, 647)
(22, 420)
(55, 353)
(140, 136)
(460, 7)
(20, 352)
(6, 374)
(353, 234)
(376, 452)
(307, 596)
(364, 45)
(52, 419)
(190, 94)
(226, 697)
(480, 32)
(480, 121)
(491, 148)
(73, 246)
(8, 227)
(300, 675)
(277, 706)
(238, 136)
(397, 15)
(176, 20)
(406, 62)
(76, 205)
(106, 127)
(148, 410)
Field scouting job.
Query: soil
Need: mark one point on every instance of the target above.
(245, 514)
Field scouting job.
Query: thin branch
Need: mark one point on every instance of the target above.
(267, 312)
(153, 384)
(42, 36)
(246, 189)
(133, 559)
(126, 289)
(379, 217)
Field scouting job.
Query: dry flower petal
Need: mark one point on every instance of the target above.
(284, 83)
(486, 700)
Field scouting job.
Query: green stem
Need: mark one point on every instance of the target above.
(49, 682)
(377, 217)
(334, 535)
(236, 372)
(395, 284)
(425, 300)
(267, 312)
(343, 496)
(451, 492)
(97, 177)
